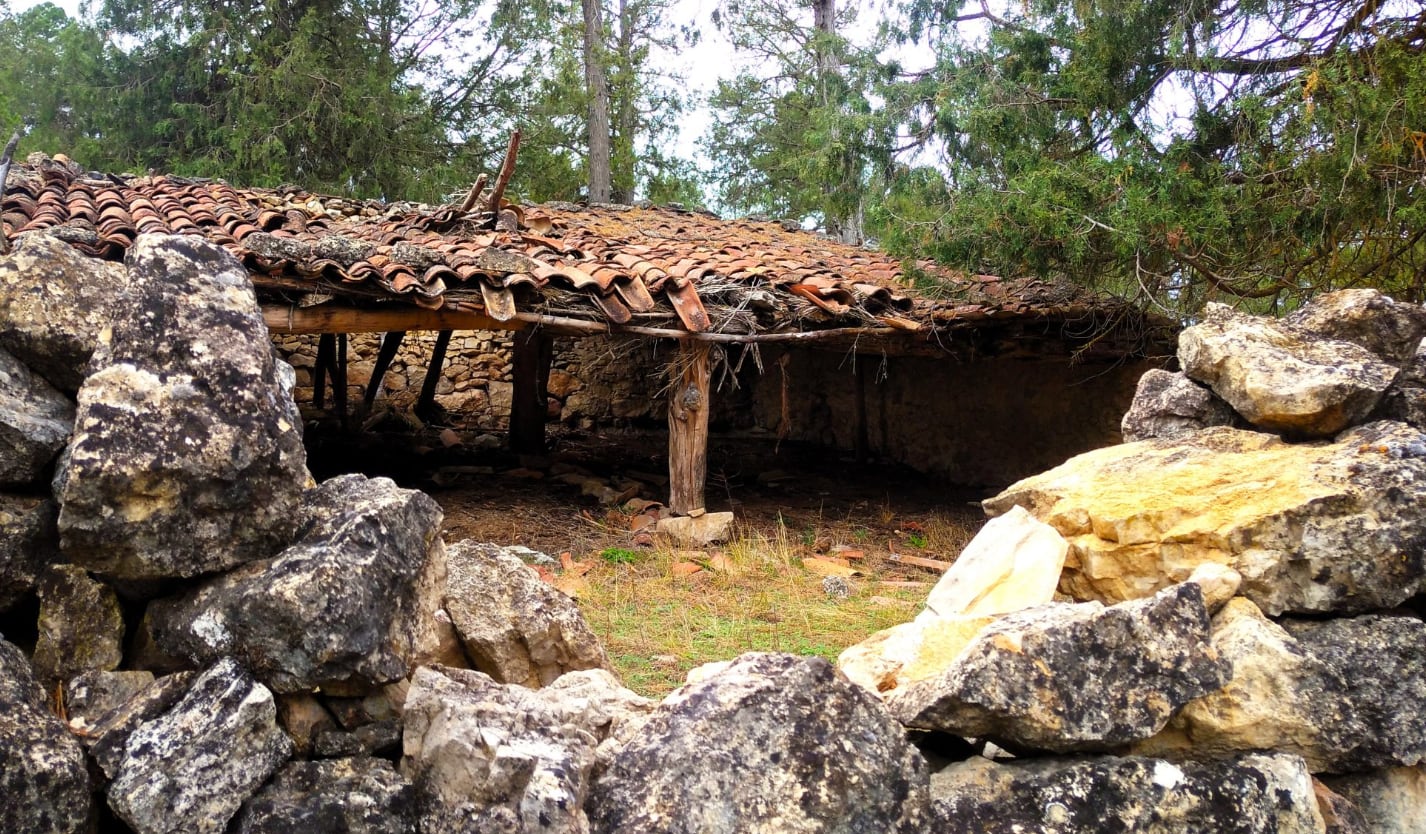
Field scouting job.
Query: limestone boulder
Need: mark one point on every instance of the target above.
(349, 607)
(891, 659)
(191, 768)
(491, 757)
(29, 542)
(35, 421)
(1340, 693)
(1073, 677)
(1280, 378)
(380, 738)
(54, 304)
(107, 736)
(1254, 794)
(1311, 528)
(772, 743)
(1366, 317)
(303, 717)
(1014, 562)
(1391, 800)
(515, 627)
(1405, 400)
(341, 796)
(187, 453)
(697, 531)
(44, 785)
(90, 696)
(1339, 814)
(1170, 404)
(81, 626)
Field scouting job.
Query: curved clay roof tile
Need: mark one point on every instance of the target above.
(635, 294)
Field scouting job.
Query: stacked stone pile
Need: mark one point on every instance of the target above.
(198, 638)
(1221, 620)
(1213, 628)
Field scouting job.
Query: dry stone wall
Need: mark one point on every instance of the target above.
(338, 669)
(1230, 620)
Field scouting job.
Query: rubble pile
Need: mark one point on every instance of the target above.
(1216, 626)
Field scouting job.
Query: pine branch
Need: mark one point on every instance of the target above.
(473, 196)
(507, 170)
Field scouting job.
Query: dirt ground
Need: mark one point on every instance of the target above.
(491, 495)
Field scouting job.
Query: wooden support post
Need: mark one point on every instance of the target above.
(688, 405)
(390, 344)
(339, 380)
(529, 402)
(426, 403)
(326, 353)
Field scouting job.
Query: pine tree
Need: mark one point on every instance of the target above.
(1172, 150)
(799, 136)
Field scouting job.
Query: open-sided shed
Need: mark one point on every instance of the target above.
(333, 266)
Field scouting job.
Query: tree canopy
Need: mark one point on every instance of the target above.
(1256, 151)
(1173, 150)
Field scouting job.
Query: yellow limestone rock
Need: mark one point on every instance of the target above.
(1310, 527)
(1014, 562)
(890, 659)
(1220, 584)
(1253, 711)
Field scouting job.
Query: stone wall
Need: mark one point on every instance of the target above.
(987, 422)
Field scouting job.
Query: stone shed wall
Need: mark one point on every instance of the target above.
(983, 423)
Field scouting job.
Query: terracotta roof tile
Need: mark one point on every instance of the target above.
(623, 264)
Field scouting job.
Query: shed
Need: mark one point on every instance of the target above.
(332, 265)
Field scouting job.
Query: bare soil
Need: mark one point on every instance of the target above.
(492, 495)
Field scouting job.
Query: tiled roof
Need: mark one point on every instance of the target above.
(625, 265)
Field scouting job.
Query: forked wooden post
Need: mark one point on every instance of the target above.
(688, 405)
(529, 402)
(426, 402)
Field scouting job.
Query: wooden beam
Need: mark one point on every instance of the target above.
(426, 403)
(339, 380)
(688, 406)
(390, 344)
(326, 364)
(529, 409)
(331, 318)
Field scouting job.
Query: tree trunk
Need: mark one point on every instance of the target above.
(598, 88)
(622, 165)
(842, 223)
(824, 20)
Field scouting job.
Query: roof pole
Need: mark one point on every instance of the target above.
(688, 405)
(533, 353)
(426, 402)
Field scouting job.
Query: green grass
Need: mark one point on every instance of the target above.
(620, 555)
(656, 626)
